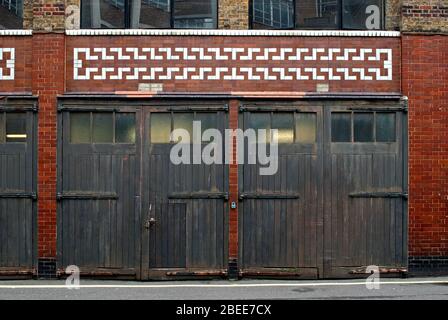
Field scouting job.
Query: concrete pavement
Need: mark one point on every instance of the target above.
(435, 288)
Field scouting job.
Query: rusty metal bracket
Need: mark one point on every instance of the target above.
(199, 195)
(255, 195)
(380, 109)
(87, 196)
(218, 273)
(243, 108)
(18, 195)
(403, 195)
(81, 108)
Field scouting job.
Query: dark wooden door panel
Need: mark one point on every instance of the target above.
(185, 207)
(17, 190)
(280, 215)
(365, 198)
(98, 218)
(169, 236)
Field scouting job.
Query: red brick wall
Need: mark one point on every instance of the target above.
(22, 64)
(233, 184)
(352, 62)
(425, 82)
(48, 82)
(424, 79)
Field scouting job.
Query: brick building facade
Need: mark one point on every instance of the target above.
(52, 69)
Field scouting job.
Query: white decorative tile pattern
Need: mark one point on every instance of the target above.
(7, 63)
(262, 64)
(16, 33)
(234, 33)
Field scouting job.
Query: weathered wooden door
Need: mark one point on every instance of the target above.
(17, 191)
(184, 205)
(98, 220)
(365, 188)
(281, 214)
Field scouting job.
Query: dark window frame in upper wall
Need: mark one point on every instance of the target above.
(127, 17)
(20, 17)
(340, 18)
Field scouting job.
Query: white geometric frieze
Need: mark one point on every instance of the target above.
(7, 63)
(254, 64)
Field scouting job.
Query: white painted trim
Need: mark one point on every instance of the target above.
(226, 285)
(16, 32)
(234, 33)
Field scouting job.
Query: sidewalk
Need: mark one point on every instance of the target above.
(433, 288)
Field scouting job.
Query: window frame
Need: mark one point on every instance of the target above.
(251, 17)
(91, 114)
(171, 113)
(128, 12)
(374, 113)
(340, 25)
(295, 118)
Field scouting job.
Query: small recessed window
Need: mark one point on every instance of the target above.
(273, 14)
(11, 14)
(385, 127)
(183, 121)
(362, 14)
(195, 14)
(306, 128)
(160, 128)
(363, 127)
(158, 14)
(125, 128)
(341, 127)
(103, 128)
(207, 120)
(16, 127)
(261, 121)
(317, 14)
(80, 127)
(284, 123)
(367, 127)
(103, 14)
(152, 14)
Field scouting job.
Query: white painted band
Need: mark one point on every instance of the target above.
(234, 33)
(236, 285)
(16, 32)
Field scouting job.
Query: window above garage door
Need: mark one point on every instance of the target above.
(293, 127)
(363, 127)
(13, 127)
(102, 127)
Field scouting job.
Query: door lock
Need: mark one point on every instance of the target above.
(149, 223)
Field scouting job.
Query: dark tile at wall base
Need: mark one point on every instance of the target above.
(46, 269)
(428, 265)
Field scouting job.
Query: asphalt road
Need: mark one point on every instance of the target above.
(401, 289)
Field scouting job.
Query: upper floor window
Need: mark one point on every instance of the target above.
(318, 14)
(11, 14)
(146, 14)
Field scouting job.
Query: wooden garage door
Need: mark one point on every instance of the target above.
(184, 205)
(17, 191)
(338, 202)
(365, 188)
(98, 226)
(281, 214)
